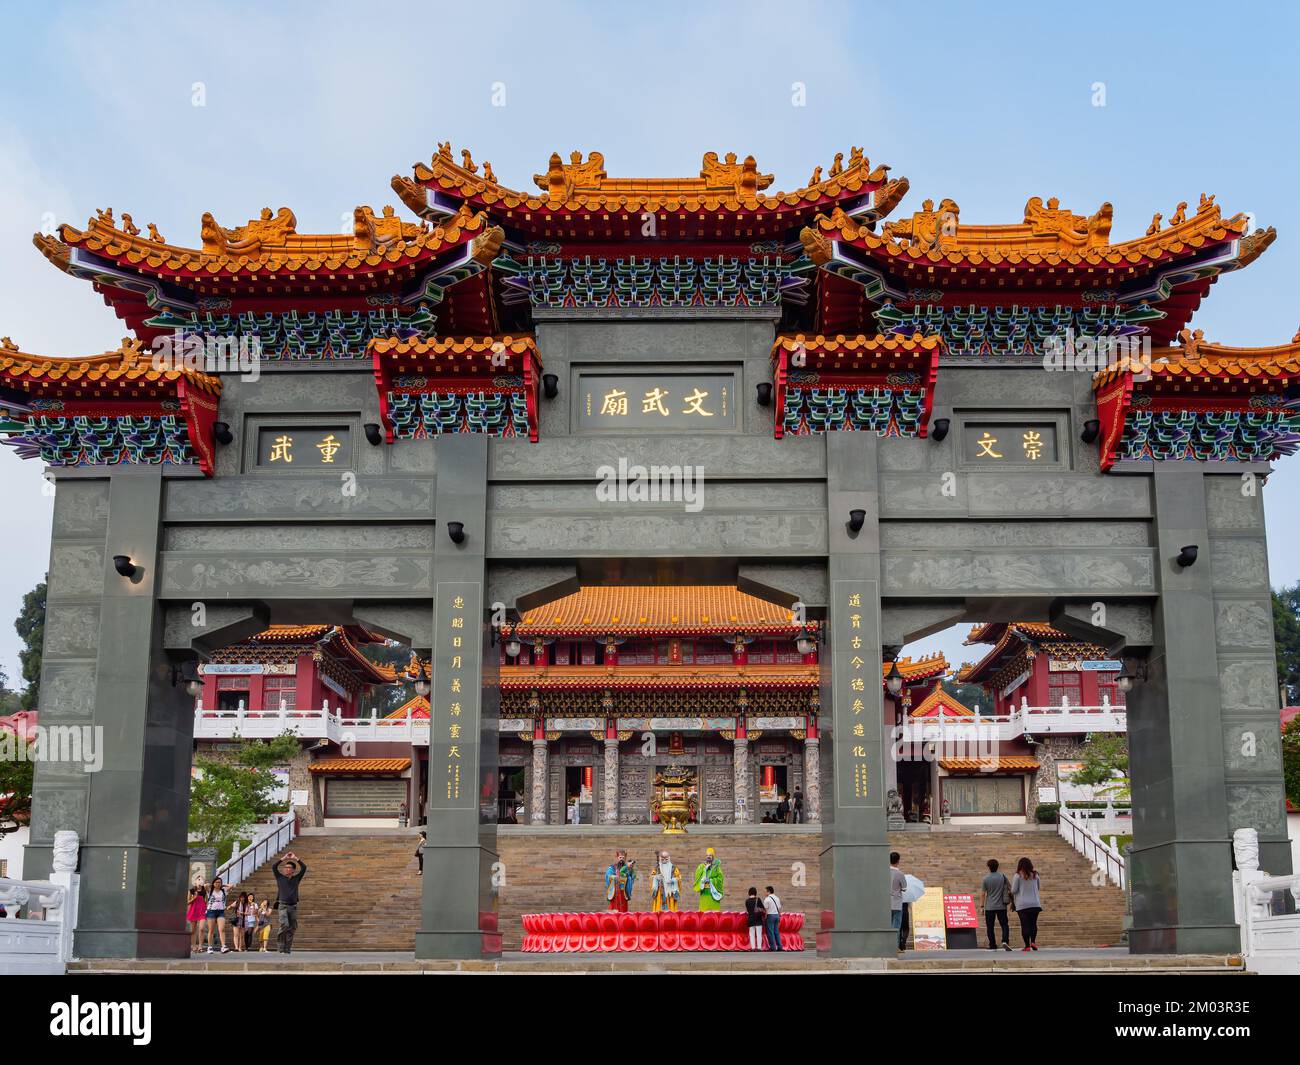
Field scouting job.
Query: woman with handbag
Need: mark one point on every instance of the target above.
(754, 919)
(1027, 901)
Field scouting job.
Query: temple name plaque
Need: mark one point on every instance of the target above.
(656, 401)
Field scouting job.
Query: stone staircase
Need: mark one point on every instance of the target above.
(362, 892)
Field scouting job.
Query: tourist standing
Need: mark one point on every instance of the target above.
(754, 915)
(995, 894)
(897, 885)
(798, 806)
(419, 853)
(772, 919)
(783, 809)
(195, 913)
(1028, 901)
(216, 914)
(289, 872)
(237, 932)
(264, 924)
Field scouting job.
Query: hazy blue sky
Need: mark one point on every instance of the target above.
(316, 105)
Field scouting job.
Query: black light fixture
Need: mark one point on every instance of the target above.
(805, 642)
(221, 432)
(894, 679)
(939, 428)
(124, 565)
(188, 672)
(1133, 673)
(857, 519)
(764, 393)
(513, 645)
(1091, 430)
(373, 433)
(456, 530)
(1187, 556)
(550, 385)
(422, 687)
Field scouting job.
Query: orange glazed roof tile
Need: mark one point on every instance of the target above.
(1033, 629)
(852, 350)
(417, 708)
(360, 765)
(126, 372)
(448, 351)
(1196, 360)
(655, 677)
(940, 703)
(1047, 236)
(272, 244)
(583, 185)
(658, 610)
(1006, 762)
(934, 665)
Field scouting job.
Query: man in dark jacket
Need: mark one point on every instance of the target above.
(289, 872)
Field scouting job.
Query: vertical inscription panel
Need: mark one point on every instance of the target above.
(854, 642)
(456, 696)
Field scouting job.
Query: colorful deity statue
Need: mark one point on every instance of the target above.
(665, 885)
(708, 881)
(620, 879)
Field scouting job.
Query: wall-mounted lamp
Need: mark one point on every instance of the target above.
(422, 687)
(222, 434)
(1091, 430)
(513, 644)
(456, 530)
(857, 519)
(550, 385)
(894, 679)
(939, 428)
(189, 673)
(124, 566)
(764, 393)
(1187, 556)
(805, 642)
(1134, 672)
(373, 433)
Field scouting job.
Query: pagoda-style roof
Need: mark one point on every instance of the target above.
(1200, 400)
(1053, 257)
(1000, 763)
(940, 703)
(1017, 642)
(415, 708)
(659, 610)
(129, 372)
(118, 407)
(927, 667)
(457, 384)
(266, 261)
(344, 765)
(340, 643)
(659, 677)
(882, 383)
(579, 200)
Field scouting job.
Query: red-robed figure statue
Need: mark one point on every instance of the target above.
(620, 878)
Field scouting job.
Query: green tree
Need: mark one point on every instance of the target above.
(383, 699)
(30, 624)
(1291, 760)
(1105, 766)
(971, 695)
(229, 795)
(16, 775)
(1286, 634)
(10, 701)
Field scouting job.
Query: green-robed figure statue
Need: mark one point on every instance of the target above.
(708, 881)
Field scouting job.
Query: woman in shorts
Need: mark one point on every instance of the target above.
(216, 914)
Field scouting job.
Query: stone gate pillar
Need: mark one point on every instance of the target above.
(855, 855)
(537, 800)
(611, 777)
(1182, 859)
(812, 796)
(740, 777)
(458, 911)
(106, 676)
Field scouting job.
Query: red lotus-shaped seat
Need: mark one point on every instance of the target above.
(607, 927)
(690, 933)
(647, 931)
(670, 931)
(734, 932)
(627, 931)
(710, 926)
